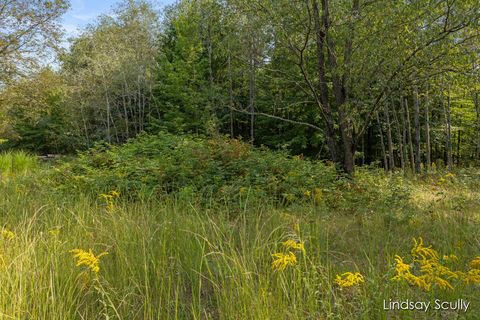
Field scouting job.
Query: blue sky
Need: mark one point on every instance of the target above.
(83, 12)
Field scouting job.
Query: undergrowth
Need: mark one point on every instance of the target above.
(116, 248)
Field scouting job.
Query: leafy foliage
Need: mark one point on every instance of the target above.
(167, 163)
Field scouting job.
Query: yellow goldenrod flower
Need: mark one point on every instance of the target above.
(88, 259)
(7, 234)
(404, 273)
(440, 282)
(283, 260)
(420, 252)
(114, 193)
(349, 279)
(110, 199)
(401, 267)
(472, 277)
(292, 244)
(427, 261)
(475, 263)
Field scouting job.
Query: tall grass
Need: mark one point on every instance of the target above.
(16, 163)
(171, 259)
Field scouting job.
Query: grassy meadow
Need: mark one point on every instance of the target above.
(175, 256)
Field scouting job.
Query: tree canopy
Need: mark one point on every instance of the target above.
(353, 82)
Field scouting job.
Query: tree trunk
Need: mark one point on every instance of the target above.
(448, 133)
(427, 134)
(230, 93)
(382, 143)
(323, 100)
(399, 139)
(459, 141)
(391, 160)
(339, 86)
(251, 91)
(409, 134)
(477, 127)
(416, 121)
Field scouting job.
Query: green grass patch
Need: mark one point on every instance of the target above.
(16, 163)
(172, 258)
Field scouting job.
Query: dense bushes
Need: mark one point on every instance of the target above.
(222, 167)
(195, 168)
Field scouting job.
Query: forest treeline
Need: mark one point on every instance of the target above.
(353, 82)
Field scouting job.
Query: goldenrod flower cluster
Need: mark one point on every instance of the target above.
(404, 273)
(110, 199)
(349, 279)
(427, 270)
(475, 263)
(283, 260)
(88, 259)
(288, 258)
(7, 234)
(472, 276)
(294, 245)
(426, 261)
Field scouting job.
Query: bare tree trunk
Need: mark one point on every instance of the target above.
(107, 101)
(409, 133)
(323, 101)
(416, 121)
(477, 126)
(339, 85)
(84, 121)
(391, 160)
(125, 112)
(427, 134)
(459, 141)
(399, 139)
(251, 89)
(230, 93)
(448, 133)
(382, 143)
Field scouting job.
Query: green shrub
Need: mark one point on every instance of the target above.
(193, 165)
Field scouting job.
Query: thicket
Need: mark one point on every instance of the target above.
(198, 169)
